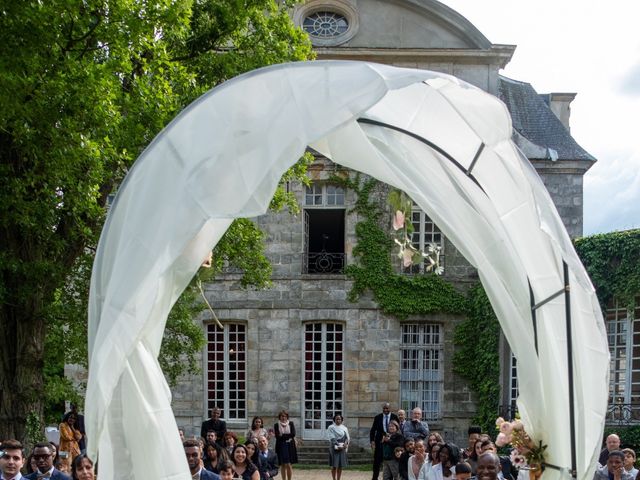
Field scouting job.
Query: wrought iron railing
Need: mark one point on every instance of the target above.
(623, 414)
(323, 262)
(620, 414)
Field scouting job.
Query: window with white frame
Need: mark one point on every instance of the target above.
(421, 369)
(227, 370)
(425, 233)
(623, 334)
(324, 195)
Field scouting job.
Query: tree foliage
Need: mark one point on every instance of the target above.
(85, 86)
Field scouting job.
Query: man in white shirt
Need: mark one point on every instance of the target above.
(11, 460)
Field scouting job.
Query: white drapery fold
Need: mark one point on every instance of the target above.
(444, 142)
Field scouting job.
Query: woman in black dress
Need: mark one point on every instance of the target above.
(285, 444)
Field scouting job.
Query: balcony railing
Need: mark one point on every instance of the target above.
(619, 414)
(623, 414)
(323, 262)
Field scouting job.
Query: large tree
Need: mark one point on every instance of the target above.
(84, 86)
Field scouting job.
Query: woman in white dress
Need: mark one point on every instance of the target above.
(417, 466)
(339, 439)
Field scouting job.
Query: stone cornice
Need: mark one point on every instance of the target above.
(499, 55)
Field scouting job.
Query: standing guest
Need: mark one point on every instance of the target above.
(473, 458)
(257, 429)
(229, 441)
(193, 453)
(378, 431)
(339, 439)
(79, 425)
(392, 440)
(43, 456)
(242, 465)
(11, 460)
(286, 450)
(417, 466)
(404, 458)
(614, 468)
(416, 428)
(267, 459)
(448, 457)
(434, 454)
(473, 435)
(215, 424)
(629, 461)
(82, 468)
(181, 433)
(402, 420)
(69, 438)
(612, 443)
(30, 465)
(55, 451)
(432, 439)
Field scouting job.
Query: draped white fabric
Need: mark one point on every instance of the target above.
(222, 158)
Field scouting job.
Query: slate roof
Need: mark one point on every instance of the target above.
(533, 119)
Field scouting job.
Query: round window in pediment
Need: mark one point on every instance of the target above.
(325, 25)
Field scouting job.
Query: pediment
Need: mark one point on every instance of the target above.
(424, 24)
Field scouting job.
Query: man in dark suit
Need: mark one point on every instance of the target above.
(43, 455)
(378, 430)
(215, 424)
(194, 459)
(267, 459)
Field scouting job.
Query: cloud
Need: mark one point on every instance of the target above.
(612, 193)
(630, 82)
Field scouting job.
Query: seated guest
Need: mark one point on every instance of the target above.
(226, 471)
(43, 456)
(82, 468)
(242, 465)
(214, 455)
(267, 459)
(614, 469)
(463, 471)
(12, 459)
(194, 455)
(229, 442)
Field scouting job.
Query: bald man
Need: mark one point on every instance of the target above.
(613, 443)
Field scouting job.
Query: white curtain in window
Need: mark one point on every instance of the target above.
(222, 158)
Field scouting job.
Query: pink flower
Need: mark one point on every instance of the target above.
(506, 427)
(398, 220)
(499, 421)
(501, 440)
(407, 257)
(517, 425)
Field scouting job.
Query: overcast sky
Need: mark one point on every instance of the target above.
(591, 48)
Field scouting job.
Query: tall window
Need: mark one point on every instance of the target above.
(324, 217)
(623, 333)
(421, 369)
(425, 233)
(323, 375)
(226, 370)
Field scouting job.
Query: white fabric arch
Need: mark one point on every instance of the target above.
(222, 158)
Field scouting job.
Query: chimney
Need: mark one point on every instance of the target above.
(559, 103)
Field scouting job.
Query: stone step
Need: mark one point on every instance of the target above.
(316, 452)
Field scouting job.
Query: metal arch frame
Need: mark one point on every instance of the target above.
(534, 306)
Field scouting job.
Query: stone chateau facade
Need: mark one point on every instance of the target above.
(301, 345)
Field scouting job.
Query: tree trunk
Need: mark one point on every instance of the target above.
(21, 366)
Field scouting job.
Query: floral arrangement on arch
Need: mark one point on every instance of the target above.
(403, 228)
(525, 454)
